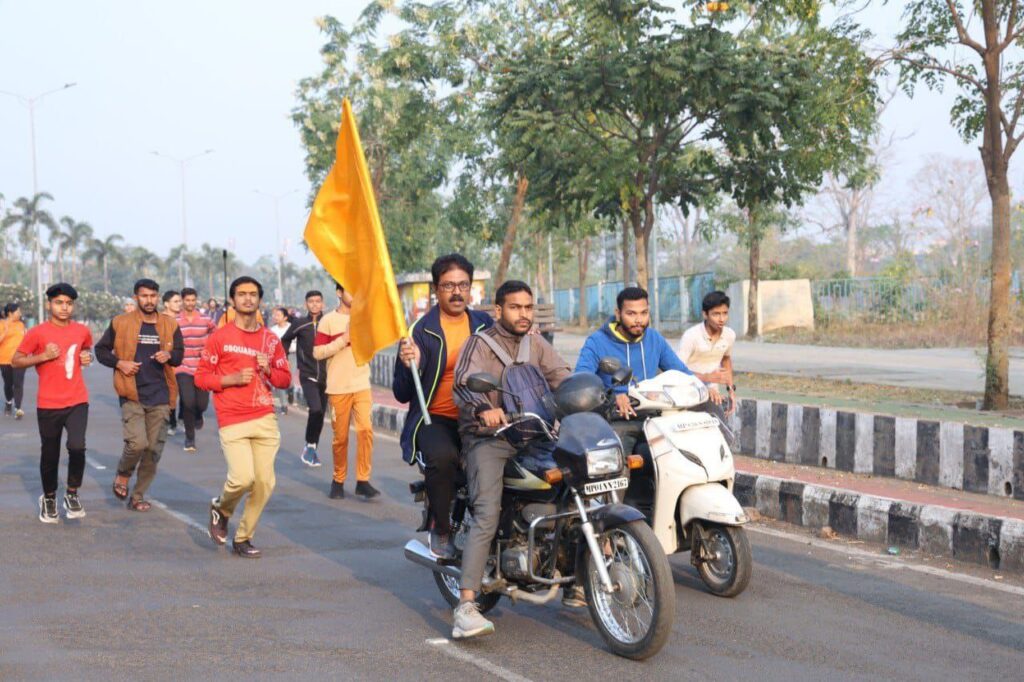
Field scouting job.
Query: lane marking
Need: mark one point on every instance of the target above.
(446, 647)
(891, 563)
(187, 520)
(94, 465)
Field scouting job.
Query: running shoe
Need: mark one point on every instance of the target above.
(309, 457)
(366, 490)
(574, 597)
(245, 549)
(19, 413)
(218, 523)
(337, 491)
(442, 547)
(8, 408)
(171, 430)
(469, 622)
(190, 446)
(73, 508)
(48, 509)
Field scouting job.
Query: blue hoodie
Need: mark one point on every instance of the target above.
(646, 356)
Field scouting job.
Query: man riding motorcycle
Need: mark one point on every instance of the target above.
(645, 351)
(436, 339)
(485, 455)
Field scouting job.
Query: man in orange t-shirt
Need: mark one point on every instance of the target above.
(436, 339)
(12, 331)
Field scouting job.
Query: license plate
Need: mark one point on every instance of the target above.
(605, 486)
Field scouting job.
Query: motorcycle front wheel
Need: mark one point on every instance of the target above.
(727, 565)
(449, 587)
(636, 618)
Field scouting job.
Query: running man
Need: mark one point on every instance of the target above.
(195, 330)
(241, 364)
(312, 373)
(58, 349)
(142, 347)
(172, 306)
(12, 331)
(348, 388)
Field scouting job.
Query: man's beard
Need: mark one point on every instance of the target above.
(511, 328)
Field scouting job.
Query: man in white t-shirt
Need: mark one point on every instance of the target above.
(706, 349)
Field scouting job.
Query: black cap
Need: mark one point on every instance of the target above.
(61, 289)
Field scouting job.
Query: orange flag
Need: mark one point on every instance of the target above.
(345, 234)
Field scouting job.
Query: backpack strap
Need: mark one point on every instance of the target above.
(523, 357)
(496, 348)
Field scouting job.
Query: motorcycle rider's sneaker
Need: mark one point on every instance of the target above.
(469, 622)
(366, 490)
(442, 547)
(575, 597)
(309, 457)
(337, 491)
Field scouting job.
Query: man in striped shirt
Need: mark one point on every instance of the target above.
(195, 329)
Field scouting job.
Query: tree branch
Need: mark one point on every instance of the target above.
(1011, 24)
(961, 31)
(935, 66)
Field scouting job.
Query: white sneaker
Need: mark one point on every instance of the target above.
(48, 509)
(469, 622)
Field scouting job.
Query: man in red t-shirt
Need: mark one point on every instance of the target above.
(241, 364)
(58, 349)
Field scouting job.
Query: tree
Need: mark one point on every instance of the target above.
(103, 252)
(143, 261)
(950, 193)
(941, 41)
(29, 215)
(76, 239)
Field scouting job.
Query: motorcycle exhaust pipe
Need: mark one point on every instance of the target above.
(538, 598)
(417, 552)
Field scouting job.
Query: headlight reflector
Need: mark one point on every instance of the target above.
(604, 461)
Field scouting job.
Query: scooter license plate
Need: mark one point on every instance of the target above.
(598, 487)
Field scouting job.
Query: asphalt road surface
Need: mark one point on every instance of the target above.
(121, 595)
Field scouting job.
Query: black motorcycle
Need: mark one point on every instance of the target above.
(561, 524)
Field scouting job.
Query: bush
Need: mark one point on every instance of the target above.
(18, 293)
(97, 306)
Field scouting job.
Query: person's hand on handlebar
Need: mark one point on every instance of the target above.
(624, 406)
(493, 418)
(715, 396)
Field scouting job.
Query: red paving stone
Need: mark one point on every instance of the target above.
(909, 491)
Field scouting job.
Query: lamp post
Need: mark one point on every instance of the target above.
(30, 102)
(276, 198)
(184, 220)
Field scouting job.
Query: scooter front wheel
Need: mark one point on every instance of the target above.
(725, 563)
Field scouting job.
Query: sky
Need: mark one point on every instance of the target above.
(183, 77)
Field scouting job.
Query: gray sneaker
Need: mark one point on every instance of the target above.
(48, 509)
(73, 508)
(469, 622)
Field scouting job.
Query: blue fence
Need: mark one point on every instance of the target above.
(678, 297)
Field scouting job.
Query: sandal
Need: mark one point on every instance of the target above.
(139, 505)
(120, 487)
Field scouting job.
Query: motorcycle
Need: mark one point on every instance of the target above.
(685, 487)
(561, 524)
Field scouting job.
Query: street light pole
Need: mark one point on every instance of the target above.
(184, 214)
(276, 198)
(30, 102)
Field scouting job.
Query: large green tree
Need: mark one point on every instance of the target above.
(976, 46)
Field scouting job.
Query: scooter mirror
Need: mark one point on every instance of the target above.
(609, 365)
(621, 376)
(482, 382)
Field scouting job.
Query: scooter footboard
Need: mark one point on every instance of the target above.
(710, 502)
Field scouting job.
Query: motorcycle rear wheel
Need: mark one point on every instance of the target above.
(729, 573)
(636, 620)
(449, 587)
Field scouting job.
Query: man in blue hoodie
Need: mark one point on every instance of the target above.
(629, 338)
(436, 340)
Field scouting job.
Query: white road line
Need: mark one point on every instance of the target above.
(446, 646)
(179, 516)
(890, 563)
(94, 465)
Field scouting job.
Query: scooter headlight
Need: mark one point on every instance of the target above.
(662, 396)
(604, 462)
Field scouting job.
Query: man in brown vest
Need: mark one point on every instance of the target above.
(142, 347)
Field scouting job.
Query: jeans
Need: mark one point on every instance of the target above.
(52, 424)
(194, 402)
(315, 393)
(14, 384)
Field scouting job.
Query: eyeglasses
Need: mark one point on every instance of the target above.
(449, 287)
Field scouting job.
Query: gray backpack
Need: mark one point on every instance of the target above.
(523, 380)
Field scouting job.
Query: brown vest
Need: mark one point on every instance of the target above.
(126, 341)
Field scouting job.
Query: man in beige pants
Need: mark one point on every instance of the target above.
(241, 363)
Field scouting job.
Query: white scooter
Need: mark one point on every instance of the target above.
(690, 506)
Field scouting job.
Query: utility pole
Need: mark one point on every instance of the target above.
(276, 198)
(184, 220)
(30, 102)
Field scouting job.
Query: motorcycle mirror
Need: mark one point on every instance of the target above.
(621, 376)
(482, 382)
(609, 365)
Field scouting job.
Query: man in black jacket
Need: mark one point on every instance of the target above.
(312, 372)
(436, 340)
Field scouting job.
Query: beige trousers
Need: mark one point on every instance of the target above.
(250, 449)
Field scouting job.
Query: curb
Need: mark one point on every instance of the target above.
(992, 541)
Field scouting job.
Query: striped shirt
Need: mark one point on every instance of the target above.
(194, 330)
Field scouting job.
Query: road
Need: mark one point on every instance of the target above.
(122, 595)
(954, 369)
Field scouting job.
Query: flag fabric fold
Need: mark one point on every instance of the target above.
(344, 232)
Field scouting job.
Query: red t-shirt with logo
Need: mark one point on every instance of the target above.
(60, 380)
(231, 349)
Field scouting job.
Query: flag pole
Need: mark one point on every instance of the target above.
(414, 368)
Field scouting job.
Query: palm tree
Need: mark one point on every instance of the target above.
(212, 262)
(103, 251)
(27, 216)
(144, 261)
(76, 237)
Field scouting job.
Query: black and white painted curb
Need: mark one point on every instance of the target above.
(978, 459)
(992, 541)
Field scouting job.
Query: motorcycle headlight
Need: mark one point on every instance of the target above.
(604, 462)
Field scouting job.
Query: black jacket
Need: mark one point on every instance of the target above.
(429, 336)
(303, 331)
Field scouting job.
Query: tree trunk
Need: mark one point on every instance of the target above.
(851, 241)
(106, 278)
(753, 323)
(626, 228)
(538, 251)
(510, 231)
(583, 258)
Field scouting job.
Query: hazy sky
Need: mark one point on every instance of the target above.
(186, 76)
